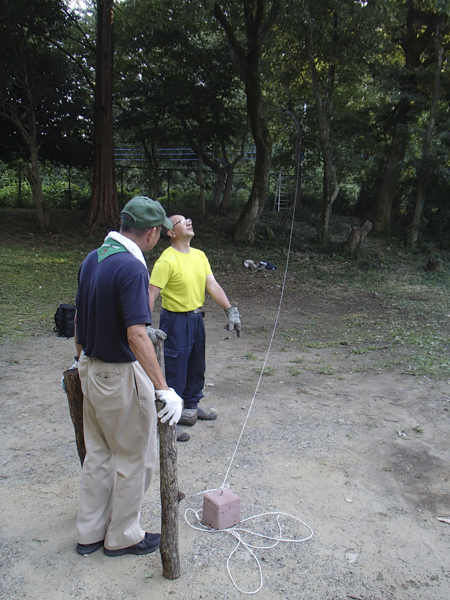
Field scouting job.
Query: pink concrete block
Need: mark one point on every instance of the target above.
(221, 509)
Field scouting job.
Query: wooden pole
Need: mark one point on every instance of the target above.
(75, 398)
(170, 494)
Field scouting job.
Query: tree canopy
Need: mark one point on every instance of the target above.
(353, 92)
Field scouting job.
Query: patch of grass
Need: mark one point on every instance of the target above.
(34, 282)
(294, 372)
(363, 350)
(266, 371)
(318, 345)
(250, 356)
(327, 370)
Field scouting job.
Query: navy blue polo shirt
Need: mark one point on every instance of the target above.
(112, 295)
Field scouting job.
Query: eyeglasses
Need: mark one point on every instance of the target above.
(183, 222)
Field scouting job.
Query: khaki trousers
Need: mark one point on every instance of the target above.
(120, 431)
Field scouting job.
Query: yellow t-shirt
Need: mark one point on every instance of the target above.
(182, 279)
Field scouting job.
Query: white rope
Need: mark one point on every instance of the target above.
(271, 338)
(236, 531)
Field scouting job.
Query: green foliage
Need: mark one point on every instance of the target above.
(57, 191)
(175, 86)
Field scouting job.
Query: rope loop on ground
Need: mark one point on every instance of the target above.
(237, 531)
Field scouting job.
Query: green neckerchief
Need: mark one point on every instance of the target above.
(109, 247)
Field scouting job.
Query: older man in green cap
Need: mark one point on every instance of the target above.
(120, 377)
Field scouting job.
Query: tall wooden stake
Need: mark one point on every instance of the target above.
(170, 494)
(75, 398)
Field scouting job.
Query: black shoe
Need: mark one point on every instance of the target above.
(85, 549)
(150, 543)
(182, 436)
(203, 415)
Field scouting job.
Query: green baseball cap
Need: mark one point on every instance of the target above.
(146, 213)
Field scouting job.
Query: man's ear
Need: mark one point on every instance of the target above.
(170, 233)
(151, 234)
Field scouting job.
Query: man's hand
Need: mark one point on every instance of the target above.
(155, 333)
(173, 406)
(234, 321)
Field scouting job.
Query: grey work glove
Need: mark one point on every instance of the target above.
(234, 322)
(173, 406)
(74, 366)
(155, 333)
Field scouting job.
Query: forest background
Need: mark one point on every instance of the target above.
(211, 104)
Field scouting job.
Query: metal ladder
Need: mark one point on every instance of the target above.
(282, 195)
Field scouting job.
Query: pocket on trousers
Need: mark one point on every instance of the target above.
(171, 352)
(167, 321)
(108, 382)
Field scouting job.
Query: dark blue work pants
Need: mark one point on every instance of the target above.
(184, 354)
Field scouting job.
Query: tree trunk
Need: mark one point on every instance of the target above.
(218, 170)
(330, 189)
(30, 138)
(323, 93)
(425, 170)
(389, 179)
(244, 230)
(257, 26)
(290, 112)
(33, 176)
(201, 184)
(104, 208)
(414, 42)
(357, 237)
(149, 157)
(156, 175)
(228, 187)
(298, 167)
(218, 188)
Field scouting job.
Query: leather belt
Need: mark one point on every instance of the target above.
(196, 311)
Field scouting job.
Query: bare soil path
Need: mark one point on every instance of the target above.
(358, 452)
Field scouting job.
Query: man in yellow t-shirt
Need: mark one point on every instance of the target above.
(182, 275)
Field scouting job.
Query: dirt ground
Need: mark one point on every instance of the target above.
(360, 455)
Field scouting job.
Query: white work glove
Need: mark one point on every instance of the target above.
(234, 322)
(173, 406)
(74, 366)
(155, 333)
